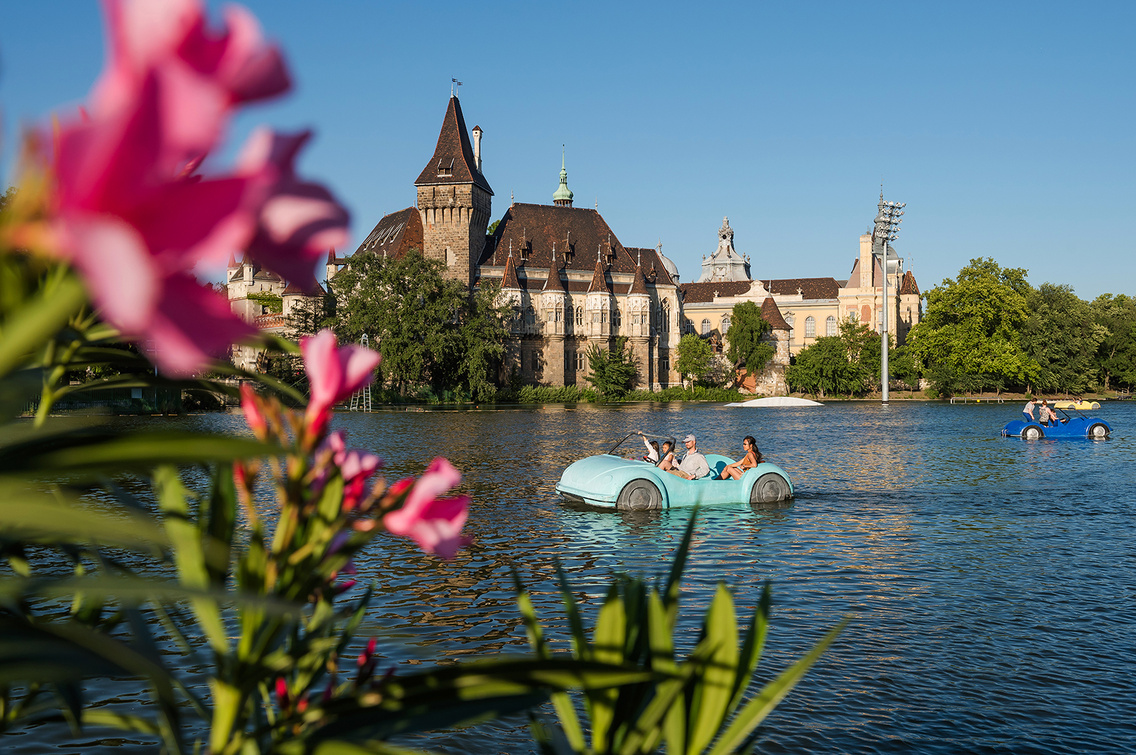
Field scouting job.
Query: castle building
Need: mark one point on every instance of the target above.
(570, 281)
(264, 299)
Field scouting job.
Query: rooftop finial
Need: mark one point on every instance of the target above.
(454, 84)
(562, 197)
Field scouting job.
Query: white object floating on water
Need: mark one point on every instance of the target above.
(779, 401)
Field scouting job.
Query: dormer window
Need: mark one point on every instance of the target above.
(445, 170)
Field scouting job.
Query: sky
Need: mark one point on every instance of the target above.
(1007, 128)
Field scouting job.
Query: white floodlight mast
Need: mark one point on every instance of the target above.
(887, 228)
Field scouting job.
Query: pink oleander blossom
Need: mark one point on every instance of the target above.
(203, 74)
(299, 221)
(355, 465)
(434, 523)
(129, 212)
(334, 373)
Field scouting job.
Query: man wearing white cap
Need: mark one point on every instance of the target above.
(694, 464)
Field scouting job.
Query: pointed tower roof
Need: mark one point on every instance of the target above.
(453, 161)
(639, 282)
(554, 283)
(909, 285)
(772, 315)
(599, 280)
(562, 197)
(510, 280)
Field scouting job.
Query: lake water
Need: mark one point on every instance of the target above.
(990, 580)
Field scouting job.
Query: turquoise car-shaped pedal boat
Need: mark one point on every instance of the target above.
(612, 482)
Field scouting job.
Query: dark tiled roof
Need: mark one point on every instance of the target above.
(534, 231)
(639, 284)
(312, 289)
(599, 279)
(654, 270)
(811, 288)
(453, 161)
(908, 286)
(772, 314)
(509, 279)
(394, 236)
(694, 293)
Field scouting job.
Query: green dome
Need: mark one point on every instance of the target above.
(563, 194)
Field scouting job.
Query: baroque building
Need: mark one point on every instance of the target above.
(809, 307)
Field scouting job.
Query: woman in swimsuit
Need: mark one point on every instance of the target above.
(751, 459)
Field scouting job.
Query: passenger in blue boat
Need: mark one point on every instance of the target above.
(694, 464)
(1027, 411)
(667, 460)
(750, 460)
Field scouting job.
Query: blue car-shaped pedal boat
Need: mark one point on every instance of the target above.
(612, 482)
(1068, 425)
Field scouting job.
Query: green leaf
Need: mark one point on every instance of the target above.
(611, 628)
(38, 320)
(752, 645)
(33, 515)
(755, 711)
(189, 553)
(714, 686)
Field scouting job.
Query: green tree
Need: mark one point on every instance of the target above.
(1116, 353)
(428, 329)
(970, 336)
(1062, 337)
(746, 337)
(824, 368)
(694, 356)
(612, 372)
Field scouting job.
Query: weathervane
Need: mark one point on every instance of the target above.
(454, 86)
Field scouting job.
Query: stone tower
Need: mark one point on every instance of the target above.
(454, 199)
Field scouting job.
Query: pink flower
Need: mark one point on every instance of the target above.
(354, 464)
(202, 74)
(334, 373)
(254, 415)
(127, 210)
(432, 522)
(300, 220)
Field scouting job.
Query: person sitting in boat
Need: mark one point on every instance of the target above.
(652, 454)
(1028, 410)
(750, 460)
(1052, 415)
(694, 464)
(666, 463)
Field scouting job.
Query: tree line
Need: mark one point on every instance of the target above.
(987, 329)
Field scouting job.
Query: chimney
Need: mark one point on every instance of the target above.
(477, 147)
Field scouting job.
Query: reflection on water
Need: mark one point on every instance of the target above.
(990, 579)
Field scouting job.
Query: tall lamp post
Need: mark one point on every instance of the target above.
(886, 229)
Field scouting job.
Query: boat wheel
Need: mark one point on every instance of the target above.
(639, 495)
(1032, 433)
(1098, 431)
(770, 487)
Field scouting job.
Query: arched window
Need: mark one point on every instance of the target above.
(810, 327)
(725, 323)
(705, 327)
(666, 318)
(830, 326)
(618, 317)
(790, 320)
(579, 317)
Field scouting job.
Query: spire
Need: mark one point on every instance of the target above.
(509, 279)
(453, 161)
(563, 195)
(554, 283)
(599, 280)
(639, 283)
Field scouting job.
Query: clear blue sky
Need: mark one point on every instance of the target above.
(1008, 128)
